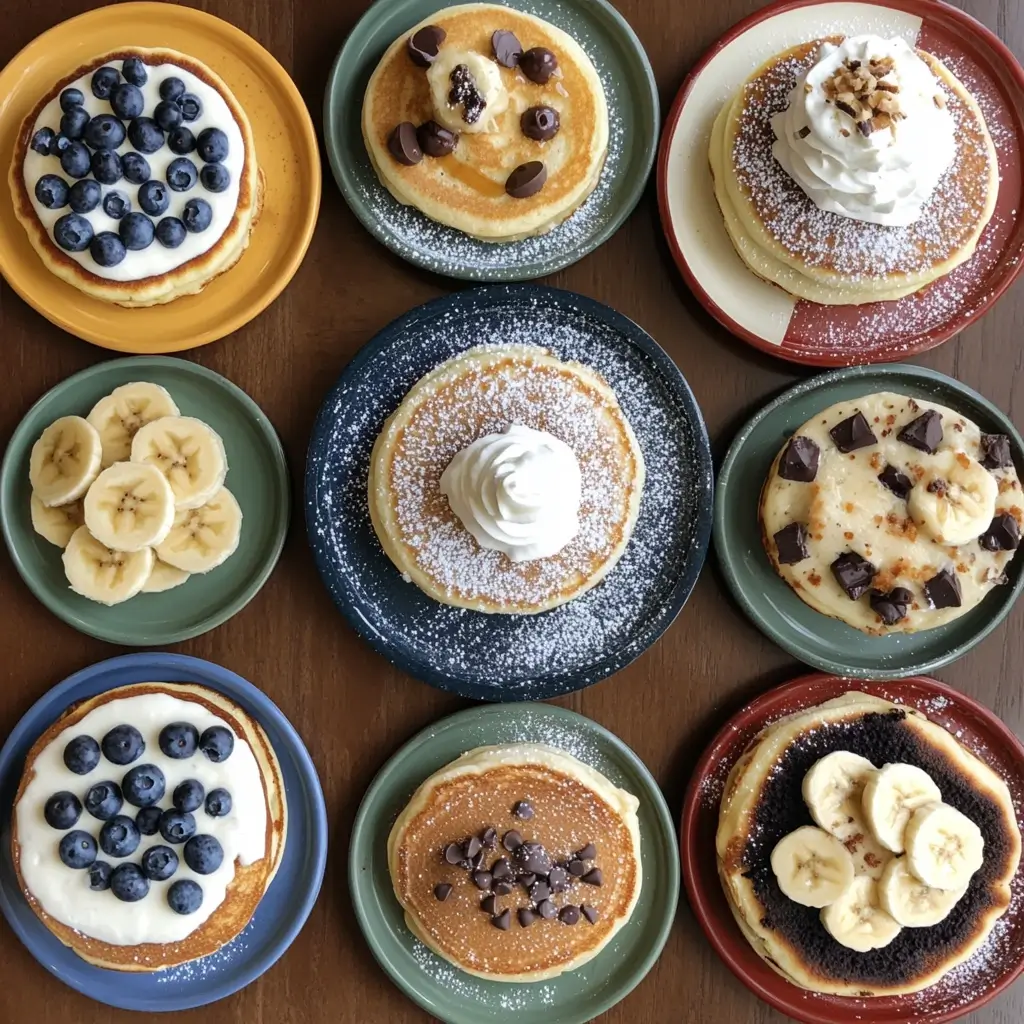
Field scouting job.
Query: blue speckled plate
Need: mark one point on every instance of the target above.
(506, 657)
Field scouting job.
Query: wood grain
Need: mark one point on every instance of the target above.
(351, 707)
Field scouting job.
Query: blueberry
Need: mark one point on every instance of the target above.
(127, 101)
(144, 785)
(107, 249)
(99, 876)
(72, 232)
(128, 883)
(191, 106)
(212, 145)
(178, 740)
(123, 744)
(148, 819)
(203, 854)
(43, 140)
(145, 135)
(172, 89)
(185, 896)
(215, 177)
(177, 826)
(52, 191)
(136, 231)
(134, 71)
(119, 837)
(170, 233)
(218, 803)
(62, 810)
(82, 754)
(136, 168)
(196, 216)
(106, 166)
(181, 141)
(159, 863)
(189, 795)
(60, 143)
(71, 98)
(154, 198)
(84, 196)
(104, 131)
(77, 850)
(181, 174)
(104, 82)
(167, 115)
(217, 742)
(75, 160)
(74, 122)
(116, 204)
(104, 800)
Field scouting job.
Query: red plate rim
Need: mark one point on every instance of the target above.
(803, 692)
(925, 341)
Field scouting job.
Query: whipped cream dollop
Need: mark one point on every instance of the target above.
(517, 492)
(466, 91)
(884, 171)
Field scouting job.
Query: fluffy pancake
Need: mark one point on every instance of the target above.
(569, 807)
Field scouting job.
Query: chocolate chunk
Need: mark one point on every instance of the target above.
(593, 877)
(995, 451)
(435, 140)
(540, 123)
(507, 49)
(802, 134)
(558, 879)
(503, 920)
(923, 433)
(943, 590)
(511, 840)
(899, 483)
(539, 891)
(853, 573)
(453, 853)
(538, 64)
(526, 916)
(472, 847)
(490, 840)
(589, 852)
(533, 857)
(569, 914)
(891, 607)
(527, 879)
(590, 913)
(464, 93)
(501, 870)
(523, 810)
(402, 144)
(526, 180)
(799, 460)
(478, 861)
(1003, 534)
(846, 108)
(791, 544)
(442, 891)
(425, 44)
(502, 888)
(577, 868)
(852, 433)
(547, 909)
(489, 905)
(482, 880)
(864, 127)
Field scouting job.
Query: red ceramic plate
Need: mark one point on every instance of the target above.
(763, 314)
(995, 966)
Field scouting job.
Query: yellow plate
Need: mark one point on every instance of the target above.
(286, 149)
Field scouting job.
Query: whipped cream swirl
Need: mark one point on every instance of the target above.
(517, 492)
(884, 177)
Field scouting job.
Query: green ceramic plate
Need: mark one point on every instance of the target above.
(257, 476)
(812, 637)
(633, 136)
(436, 985)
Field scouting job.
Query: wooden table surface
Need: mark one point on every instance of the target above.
(350, 706)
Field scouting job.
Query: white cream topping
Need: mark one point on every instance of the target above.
(882, 178)
(156, 259)
(487, 78)
(517, 492)
(64, 892)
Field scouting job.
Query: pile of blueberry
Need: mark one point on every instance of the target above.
(143, 786)
(88, 145)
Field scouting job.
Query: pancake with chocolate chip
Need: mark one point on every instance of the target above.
(517, 863)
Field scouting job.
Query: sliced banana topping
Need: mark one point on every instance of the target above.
(129, 507)
(891, 797)
(203, 538)
(163, 577)
(911, 903)
(944, 847)
(118, 417)
(189, 453)
(100, 574)
(833, 788)
(955, 499)
(64, 461)
(856, 919)
(812, 867)
(56, 524)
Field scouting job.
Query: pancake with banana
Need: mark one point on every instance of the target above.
(489, 120)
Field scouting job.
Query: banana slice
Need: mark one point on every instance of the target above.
(56, 524)
(64, 461)
(129, 507)
(955, 500)
(163, 577)
(856, 919)
(892, 796)
(203, 538)
(813, 868)
(96, 572)
(118, 417)
(944, 847)
(911, 903)
(189, 453)
(833, 788)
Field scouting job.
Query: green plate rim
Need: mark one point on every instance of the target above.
(733, 576)
(340, 167)
(666, 829)
(280, 467)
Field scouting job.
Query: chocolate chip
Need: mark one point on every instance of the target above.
(502, 888)
(577, 868)
(442, 891)
(526, 180)
(943, 590)
(533, 857)
(501, 869)
(558, 879)
(589, 852)
(503, 920)
(478, 860)
(539, 891)
(853, 573)
(435, 140)
(482, 880)
(511, 840)
(402, 144)
(891, 607)
(490, 840)
(593, 877)
(852, 433)
(995, 451)
(799, 460)
(590, 913)
(523, 810)
(802, 134)
(472, 847)
(453, 853)
(1003, 534)
(923, 433)
(527, 879)
(538, 64)
(489, 905)
(526, 916)
(569, 914)
(899, 483)
(507, 49)
(425, 44)
(540, 123)
(546, 909)
(791, 544)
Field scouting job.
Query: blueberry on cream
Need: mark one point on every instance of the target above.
(179, 739)
(77, 850)
(123, 745)
(82, 755)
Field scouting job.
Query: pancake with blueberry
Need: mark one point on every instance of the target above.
(148, 825)
(136, 179)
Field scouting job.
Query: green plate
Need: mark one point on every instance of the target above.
(257, 476)
(433, 983)
(810, 636)
(634, 120)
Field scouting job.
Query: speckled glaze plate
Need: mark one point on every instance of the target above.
(808, 635)
(508, 657)
(441, 989)
(257, 476)
(995, 966)
(286, 150)
(634, 120)
(764, 315)
(282, 911)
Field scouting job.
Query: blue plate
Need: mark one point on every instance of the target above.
(509, 657)
(282, 911)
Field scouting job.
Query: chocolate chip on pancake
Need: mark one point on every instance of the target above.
(425, 44)
(899, 483)
(590, 913)
(503, 888)
(943, 590)
(526, 180)
(799, 460)
(539, 891)
(853, 573)
(403, 146)
(1003, 534)
(489, 905)
(593, 877)
(891, 607)
(503, 920)
(489, 838)
(512, 840)
(547, 909)
(532, 856)
(482, 880)
(442, 891)
(577, 868)
(558, 879)
(538, 64)
(472, 847)
(501, 870)
(995, 451)
(540, 123)
(589, 852)
(569, 914)
(923, 433)
(435, 140)
(523, 810)
(791, 544)
(453, 853)
(526, 916)
(527, 880)
(852, 433)
(507, 49)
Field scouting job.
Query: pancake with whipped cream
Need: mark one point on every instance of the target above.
(135, 177)
(517, 863)
(489, 120)
(892, 514)
(506, 481)
(852, 170)
(148, 825)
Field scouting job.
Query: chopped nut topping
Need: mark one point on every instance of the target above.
(860, 92)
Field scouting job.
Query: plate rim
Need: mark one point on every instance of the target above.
(501, 274)
(213, 675)
(728, 565)
(922, 343)
(758, 711)
(279, 468)
(490, 295)
(423, 737)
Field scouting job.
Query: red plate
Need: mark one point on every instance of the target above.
(763, 314)
(995, 966)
